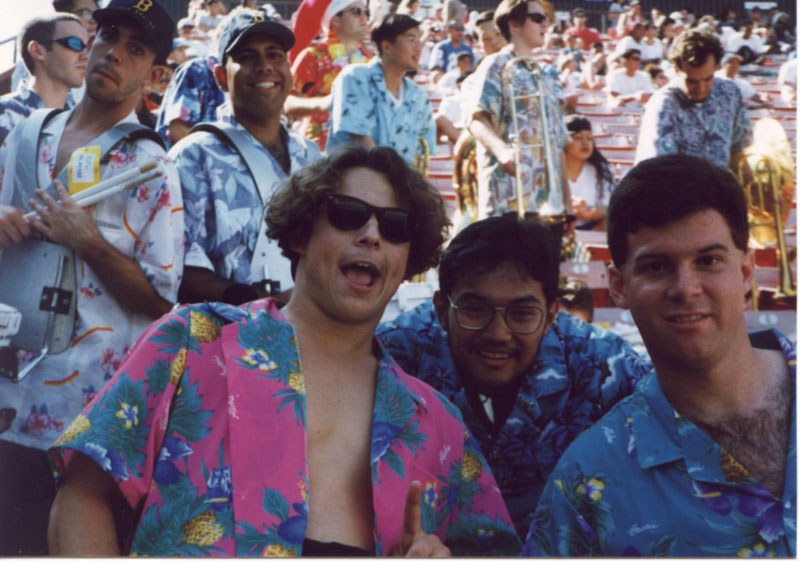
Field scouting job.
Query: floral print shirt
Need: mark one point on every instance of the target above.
(204, 428)
(223, 206)
(712, 129)
(144, 223)
(314, 71)
(15, 106)
(361, 105)
(580, 371)
(497, 193)
(192, 96)
(645, 481)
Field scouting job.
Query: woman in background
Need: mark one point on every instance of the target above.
(589, 173)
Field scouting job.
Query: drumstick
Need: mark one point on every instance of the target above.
(112, 185)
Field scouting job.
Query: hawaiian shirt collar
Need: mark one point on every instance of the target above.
(674, 86)
(296, 148)
(661, 435)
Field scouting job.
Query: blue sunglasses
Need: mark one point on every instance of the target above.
(72, 43)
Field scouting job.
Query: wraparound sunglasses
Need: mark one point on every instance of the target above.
(349, 213)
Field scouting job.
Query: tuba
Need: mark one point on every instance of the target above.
(765, 171)
(553, 208)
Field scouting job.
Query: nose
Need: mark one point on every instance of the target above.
(369, 235)
(497, 330)
(686, 284)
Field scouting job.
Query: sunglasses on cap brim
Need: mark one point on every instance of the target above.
(349, 213)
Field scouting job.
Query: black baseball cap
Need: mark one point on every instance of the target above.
(242, 23)
(578, 12)
(149, 14)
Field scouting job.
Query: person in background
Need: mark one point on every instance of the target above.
(591, 179)
(731, 62)
(490, 40)
(579, 29)
(408, 7)
(444, 56)
(53, 49)
(700, 461)
(317, 66)
(652, 47)
(628, 85)
(377, 103)
(787, 80)
(657, 75)
(575, 298)
(450, 113)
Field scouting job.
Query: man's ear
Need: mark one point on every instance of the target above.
(221, 76)
(552, 312)
(616, 287)
(156, 73)
(748, 270)
(36, 50)
(442, 307)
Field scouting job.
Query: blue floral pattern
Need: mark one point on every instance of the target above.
(646, 481)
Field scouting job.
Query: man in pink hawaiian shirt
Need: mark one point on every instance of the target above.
(268, 430)
(315, 68)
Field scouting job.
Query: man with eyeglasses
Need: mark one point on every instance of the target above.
(315, 66)
(527, 378)
(490, 115)
(126, 251)
(229, 173)
(53, 49)
(629, 85)
(288, 430)
(377, 103)
(444, 56)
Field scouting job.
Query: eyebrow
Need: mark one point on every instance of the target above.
(528, 298)
(700, 251)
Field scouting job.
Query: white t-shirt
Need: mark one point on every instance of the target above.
(755, 43)
(451, 109)
(626, 43)
(586, 188)
(619, 82)
(787, 74)
(654, 51)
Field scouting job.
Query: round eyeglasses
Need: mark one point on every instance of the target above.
(475, 316)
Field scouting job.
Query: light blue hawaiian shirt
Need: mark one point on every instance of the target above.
(713, 129)
(361, 105)
(580, 371)
(15, 106)
(645, 481)
(222, 206)
(192, 96)
(497, 192)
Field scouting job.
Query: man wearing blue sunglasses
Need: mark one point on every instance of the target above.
(53, 49)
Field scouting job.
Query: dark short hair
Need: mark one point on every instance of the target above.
(40, 29)
(628, 53)
(660, 191)
(575, 294)
(693, 47)
(510, 10)
(390, 27)
(291, 211)
(483, 17)
(528, 245)
(63, 5)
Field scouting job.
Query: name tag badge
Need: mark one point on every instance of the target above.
(84, 168)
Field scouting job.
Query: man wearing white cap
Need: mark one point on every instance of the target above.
(317, 65)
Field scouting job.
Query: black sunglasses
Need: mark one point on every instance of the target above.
(357, 11)
(536, 17)
(72, 43)
(349, 213)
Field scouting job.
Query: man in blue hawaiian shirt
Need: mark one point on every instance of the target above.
(695, 113)
(192, 97)
(700, 460)
(227, 251)
(53, 49)
(527, 378)
(376, 103)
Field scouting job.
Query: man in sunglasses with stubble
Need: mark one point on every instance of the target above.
(230, 168)
(288, 430)
(527, 377)
(126, 251)
(53, 49)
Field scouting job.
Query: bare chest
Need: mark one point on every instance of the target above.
(71, 140)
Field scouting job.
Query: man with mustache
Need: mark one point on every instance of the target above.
(127, 250)
(228, 174)
(53, 49)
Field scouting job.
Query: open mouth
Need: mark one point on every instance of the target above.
(687, 319)
(266, 85)
(361, 274)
